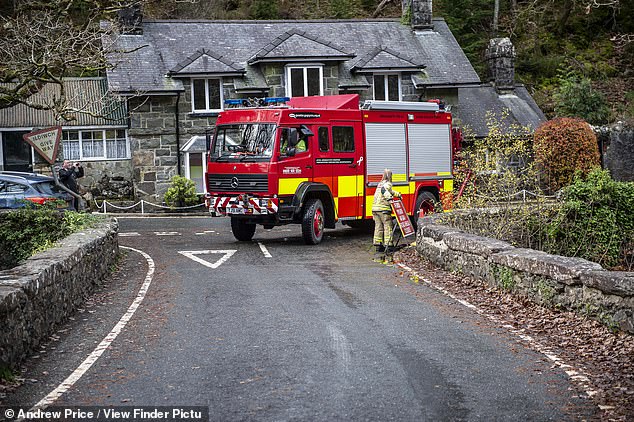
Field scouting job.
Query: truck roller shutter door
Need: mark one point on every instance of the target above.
(385, 148)
(429, 148)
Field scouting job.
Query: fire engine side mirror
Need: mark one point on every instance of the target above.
(293, 138)
(290, 151)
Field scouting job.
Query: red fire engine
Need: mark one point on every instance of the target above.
(317, 160)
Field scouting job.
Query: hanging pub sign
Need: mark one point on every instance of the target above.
(45, 142)
(402, 218)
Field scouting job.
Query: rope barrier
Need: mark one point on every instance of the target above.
(105, 204)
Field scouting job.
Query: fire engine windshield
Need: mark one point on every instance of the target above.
(244, 141)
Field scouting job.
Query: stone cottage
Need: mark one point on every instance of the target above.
(178, 73)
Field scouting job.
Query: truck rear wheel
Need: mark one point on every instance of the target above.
(242, 230)
(313, 222)
(425, 202)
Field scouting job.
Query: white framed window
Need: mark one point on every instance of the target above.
(207, 95)
(106, 144)
(387, 87)
(304, 81)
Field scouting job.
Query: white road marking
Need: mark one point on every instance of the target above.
(227, 253)
(167, 233)
(206, 232)
(105, 343)
(576, 376)
(264, 250)
(129, 234)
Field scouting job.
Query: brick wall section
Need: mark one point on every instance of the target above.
(36, 297)
(550, 280)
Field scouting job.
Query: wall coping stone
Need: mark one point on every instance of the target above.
(611, 282)
(561, 268)
(437, 232)
(478, 245)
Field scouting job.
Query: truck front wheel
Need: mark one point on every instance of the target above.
(242, 230)
(313, 222)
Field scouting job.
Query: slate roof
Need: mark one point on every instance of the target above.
(476, 102)
(384, 58)
(164, 45)
(90, 94)
(296, 44)
(206, 61)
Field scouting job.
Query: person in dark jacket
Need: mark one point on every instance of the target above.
(68, 175)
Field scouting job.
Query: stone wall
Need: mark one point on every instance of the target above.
(550, 280)
(43, 292)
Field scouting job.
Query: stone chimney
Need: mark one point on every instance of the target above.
(131, 19)
(500, 57)
(420, 11)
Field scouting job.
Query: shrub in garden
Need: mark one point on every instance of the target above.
(575, 97)
(26, 231)
(562, 147)
(181, 193)
(595, 221)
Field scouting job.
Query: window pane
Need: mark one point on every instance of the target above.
(343, 138)
(379, 87)
(214, 94)
(323, 139)
(70, 135)
(70, 150)
(199, 94)
(297, 82)
(92, 144)
(314, 81)
(392, 87)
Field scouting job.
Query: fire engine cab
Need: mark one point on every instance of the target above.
(317, 160)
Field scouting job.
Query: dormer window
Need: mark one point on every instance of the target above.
(387, 87)
(304, 81)
(207, 95)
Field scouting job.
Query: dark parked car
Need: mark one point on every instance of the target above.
(19, 190)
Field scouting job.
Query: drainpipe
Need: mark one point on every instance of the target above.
(178, 132)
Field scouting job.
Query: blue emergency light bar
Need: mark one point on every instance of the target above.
(256, 102)
(269, 100)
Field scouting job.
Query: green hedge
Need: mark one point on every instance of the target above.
(26, 231)
(595, 221)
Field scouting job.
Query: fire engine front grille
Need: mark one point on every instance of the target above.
(238, 182)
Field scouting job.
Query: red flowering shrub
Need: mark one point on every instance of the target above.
(564, 146)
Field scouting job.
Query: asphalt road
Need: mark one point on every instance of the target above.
(274, 330)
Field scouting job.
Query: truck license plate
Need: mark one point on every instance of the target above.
(235, 210)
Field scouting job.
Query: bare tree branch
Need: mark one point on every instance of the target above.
(43, 42)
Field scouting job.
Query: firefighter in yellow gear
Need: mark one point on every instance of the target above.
(382, 213)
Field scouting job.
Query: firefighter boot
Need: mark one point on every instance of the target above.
(380, 248)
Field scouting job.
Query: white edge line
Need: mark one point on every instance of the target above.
(576, 376)
(264, 250)
(105, 343)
